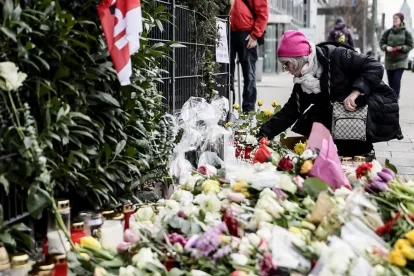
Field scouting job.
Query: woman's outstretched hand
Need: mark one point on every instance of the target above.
(349, 102)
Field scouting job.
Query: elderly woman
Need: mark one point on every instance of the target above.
(325, 77)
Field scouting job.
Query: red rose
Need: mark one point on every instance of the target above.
(285, 164)
(363, 169)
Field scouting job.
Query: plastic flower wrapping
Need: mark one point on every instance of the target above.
(281, 215)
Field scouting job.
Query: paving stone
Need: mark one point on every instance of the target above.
(403, 141)
(398, 162)
(399, 154)
(405, 170)
(384, 154)
(382, 144)
(401, 147)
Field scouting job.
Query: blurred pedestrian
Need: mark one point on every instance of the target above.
(248, 24)
(397, 42)
(340, 33)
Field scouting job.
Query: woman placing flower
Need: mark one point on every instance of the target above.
(327, 75)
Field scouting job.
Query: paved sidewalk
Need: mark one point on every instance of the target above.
(275, 87)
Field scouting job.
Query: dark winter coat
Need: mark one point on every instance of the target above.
(335, 32)
(349, 71)
(396, 37)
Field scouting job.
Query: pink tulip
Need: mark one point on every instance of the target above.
(122, 247)
(236, 197)
(238, 273)
(130, 236)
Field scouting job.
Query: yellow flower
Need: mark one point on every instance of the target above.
(224, 239)
(260, 102)
(400, 243)
(397, 258)
(211, 186)
(236, 106)
(300, 148)
(241, 187)
(294, 230)
(410, 236)
(229, 124)
(408, 252)
(85, 256)
(268, 112)
(275, 104)
(306, 167)
(90, 241)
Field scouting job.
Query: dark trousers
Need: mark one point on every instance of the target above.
(353, 148)
(394, 79)
(247, 58)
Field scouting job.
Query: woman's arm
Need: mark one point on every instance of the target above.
(367, 70)
(408, 46)
(383, 42)
(283, 119)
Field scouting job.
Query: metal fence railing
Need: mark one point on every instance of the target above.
(183, 79)
(13, 204)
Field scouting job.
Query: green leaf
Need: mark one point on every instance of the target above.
(82, 156)
(120, 147)
(5, 183)
(80, 115)
(313, 186)
(390, 166)
(7, 239)
(202, 215)
(106, 98)
(116, 262)
(37, 201)
(21, 227)
(7, 8)
(9, 33)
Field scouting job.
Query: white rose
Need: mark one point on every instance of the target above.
(342, 192)
(261, 215)
(379, 270)
(143, 257)
(10, 78)
(376, 168)
(291, 207)
(254, 239)
(144, 214)
(191, 182)
(127, 271)
(199, 273)
(239, 259)
(307, 154)
(319, 247)
(172, 205)
(285, 183)
(265, 233)
(268, 192)
(182, 196)
(190, 209)
(271, 206)
(251, 140)
(308, 203)
(208, 203)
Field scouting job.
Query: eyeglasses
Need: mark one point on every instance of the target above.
(286, 66)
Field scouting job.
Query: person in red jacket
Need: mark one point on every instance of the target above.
(248, 23)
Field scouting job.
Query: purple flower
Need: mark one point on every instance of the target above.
(224, 251)
(376, 186)
(192, 242)
(279, 193)
(122, 247)
(130, 236)
(177, 238)
(210, 241)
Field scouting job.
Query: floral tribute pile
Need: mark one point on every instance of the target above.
(278, 217)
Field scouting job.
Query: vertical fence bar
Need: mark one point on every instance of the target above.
(173, 64)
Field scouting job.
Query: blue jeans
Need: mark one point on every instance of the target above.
(394, 80)
(247, 58)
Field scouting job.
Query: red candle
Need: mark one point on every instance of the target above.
(77, 232)
(128, 210)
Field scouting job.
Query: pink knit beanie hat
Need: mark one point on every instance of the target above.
(293, 44)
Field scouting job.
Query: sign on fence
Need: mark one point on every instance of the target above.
(222, 49)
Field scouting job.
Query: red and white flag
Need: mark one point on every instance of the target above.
(122, 23)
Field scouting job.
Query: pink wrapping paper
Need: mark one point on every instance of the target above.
(327, 166)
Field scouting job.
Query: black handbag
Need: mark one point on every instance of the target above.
(260, 40)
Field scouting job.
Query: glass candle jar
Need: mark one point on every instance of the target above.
(45, 270)
(20, 265)
(4, 261)
(77, 232)
(61, 265)
(128, 210)
(86, 217)
(112, 232)
(95, 225)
